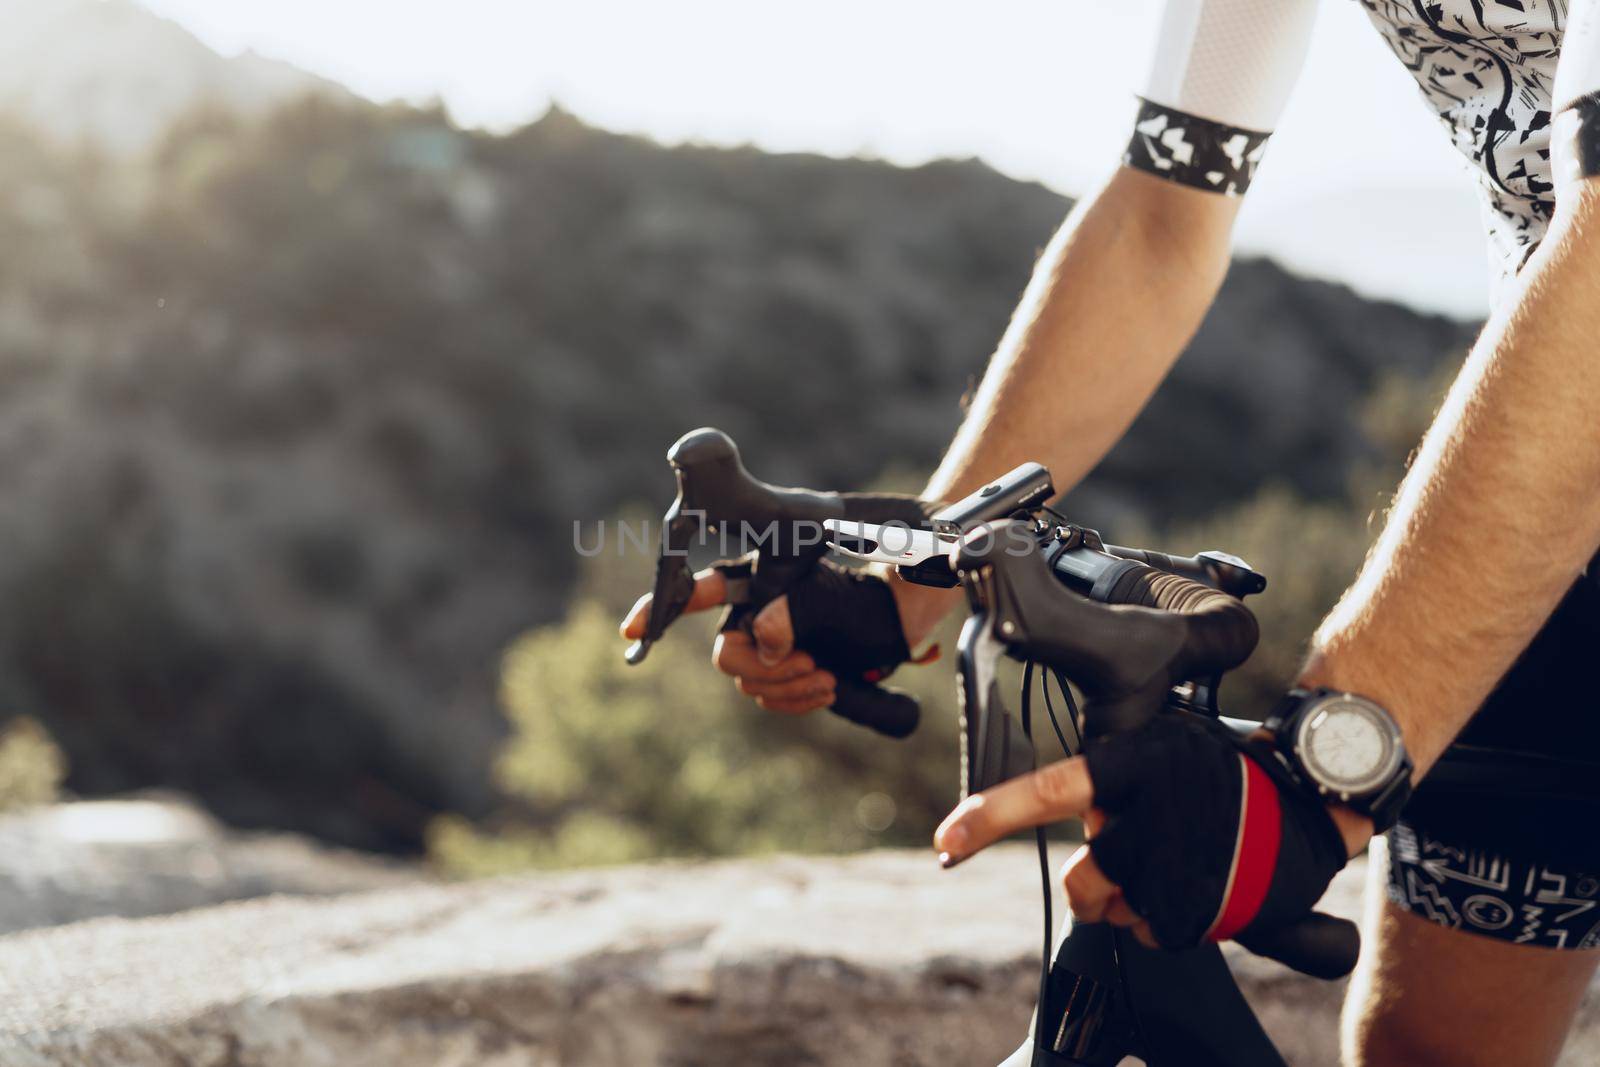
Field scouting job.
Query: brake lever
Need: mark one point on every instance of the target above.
(674, 582)
(717, 494)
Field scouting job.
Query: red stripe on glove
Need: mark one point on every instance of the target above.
(1256, 855)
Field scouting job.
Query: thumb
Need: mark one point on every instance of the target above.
(773, 631)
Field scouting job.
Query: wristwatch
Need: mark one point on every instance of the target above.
(1346, 748)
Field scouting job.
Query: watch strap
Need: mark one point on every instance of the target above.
(1277, 719)
(1382, 807)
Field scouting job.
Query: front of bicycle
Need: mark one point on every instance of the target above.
(1131, 629)
(1139, 633)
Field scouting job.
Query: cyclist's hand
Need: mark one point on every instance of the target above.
(1190, 839)
(767, 667)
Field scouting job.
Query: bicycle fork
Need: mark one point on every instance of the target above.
(1108, 998)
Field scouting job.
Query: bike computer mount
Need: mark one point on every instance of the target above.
(1079, 555)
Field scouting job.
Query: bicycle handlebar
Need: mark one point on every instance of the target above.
(1219, 570)
(1316, 944)
(717, 494)
(1144, 621)
(1153, 630)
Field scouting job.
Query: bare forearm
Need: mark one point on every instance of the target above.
(1117, 294)
(1114, 299)
(1499, 513)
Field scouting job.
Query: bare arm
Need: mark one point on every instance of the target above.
(1499, 513)
(1118, 293)
(1501, 509)
(1116, 296)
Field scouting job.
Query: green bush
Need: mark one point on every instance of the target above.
(614, 763)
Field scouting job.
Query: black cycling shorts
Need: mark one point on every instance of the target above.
(1481, 891)
(1518, 866)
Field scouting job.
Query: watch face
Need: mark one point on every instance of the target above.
(1348, 745)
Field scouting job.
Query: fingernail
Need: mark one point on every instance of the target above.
(768, 659)
(947, 861)
(955, 838)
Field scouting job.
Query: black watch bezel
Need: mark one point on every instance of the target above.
(1383, 802)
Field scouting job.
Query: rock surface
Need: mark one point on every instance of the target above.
(874, 959)
(157, 854)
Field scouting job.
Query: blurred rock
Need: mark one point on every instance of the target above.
(873, 959)
(156, 854)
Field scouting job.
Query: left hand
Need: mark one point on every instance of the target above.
(1189, 837)
(765, 667)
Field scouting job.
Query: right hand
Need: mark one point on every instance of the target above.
(766, 667)
(1190, 836)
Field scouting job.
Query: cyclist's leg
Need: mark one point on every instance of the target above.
(1426, 994)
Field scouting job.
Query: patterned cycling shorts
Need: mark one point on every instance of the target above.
(1482, 892)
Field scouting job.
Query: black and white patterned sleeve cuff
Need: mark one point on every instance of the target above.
(1193, 151)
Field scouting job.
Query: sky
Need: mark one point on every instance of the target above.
(1359, 184)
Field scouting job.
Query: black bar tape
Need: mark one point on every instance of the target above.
(1222, 631)
(888, 711)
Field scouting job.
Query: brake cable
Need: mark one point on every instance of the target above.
(1117, 933)
(1026, 715)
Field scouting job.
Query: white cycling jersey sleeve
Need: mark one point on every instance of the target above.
(1578, 69)
(1230, 61)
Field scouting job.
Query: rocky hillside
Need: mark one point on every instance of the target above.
(299, 410)
(876, 959)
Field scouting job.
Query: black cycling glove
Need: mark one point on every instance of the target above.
(848, 621)
(1254, 856)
